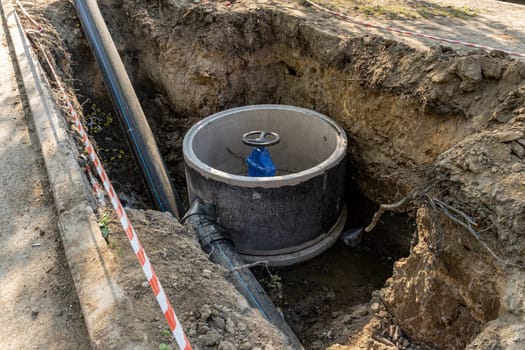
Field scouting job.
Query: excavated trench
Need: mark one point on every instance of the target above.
(309, 294)
(444, 129)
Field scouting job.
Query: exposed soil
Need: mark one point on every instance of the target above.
(445, 127)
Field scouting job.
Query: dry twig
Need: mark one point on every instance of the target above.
(454, 214)
(466, 222)
(384, 207)
(245, 266)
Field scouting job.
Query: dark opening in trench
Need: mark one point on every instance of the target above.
(321, 294)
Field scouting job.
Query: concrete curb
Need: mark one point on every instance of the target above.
(106, 308)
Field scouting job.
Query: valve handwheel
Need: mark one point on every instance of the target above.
(260, 138)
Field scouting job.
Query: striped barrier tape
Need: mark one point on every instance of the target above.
(409, 33)
(160, 295)
(99, 192)
(39, 27)
(165, 305)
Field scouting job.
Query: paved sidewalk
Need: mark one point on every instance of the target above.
(38, 304)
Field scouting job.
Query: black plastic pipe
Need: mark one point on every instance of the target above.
(131, 115)
(215, 242)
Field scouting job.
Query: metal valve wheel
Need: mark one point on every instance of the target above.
(260, 138)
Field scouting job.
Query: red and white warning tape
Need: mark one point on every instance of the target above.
(406, 32)
(162, 299)
(99, 192)
(39, 27)
(165, 306)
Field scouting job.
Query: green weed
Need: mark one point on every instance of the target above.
(103, 225)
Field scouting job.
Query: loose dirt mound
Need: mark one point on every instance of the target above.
(212, 311)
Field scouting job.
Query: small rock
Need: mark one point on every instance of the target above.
(206, 274)
(382, 314)
(34, 314)
(360, 312)
(498, 53)
(521, 142)
(517, 149)
(192, 332)
(317, 345)
(203, 329)
(226, 345)
(516, 167)
(519, 111)
(241, 326)
(269, 346)
(245, 346)
(218, 322)
(508, 136)
(211, 338)
(396, 334)
(491, 68)
(347, 319)
(229, 327)
(441, 77)
(59, 313)
(205, 312)
(375, 307)
(513, 73)
(468, 85)
(469, 69)
(367, 40)
(405, 342)
(144, 284)
(375, 323)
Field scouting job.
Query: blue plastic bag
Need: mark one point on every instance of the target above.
(260, 163)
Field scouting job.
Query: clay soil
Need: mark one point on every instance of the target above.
(442, 128)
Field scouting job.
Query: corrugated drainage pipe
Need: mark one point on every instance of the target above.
(215, 242)
(131, 115)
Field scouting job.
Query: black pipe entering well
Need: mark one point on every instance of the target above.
(131, 116)
(216, 243)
